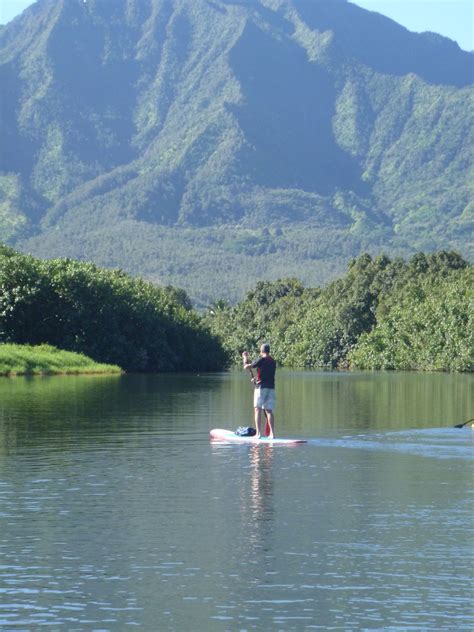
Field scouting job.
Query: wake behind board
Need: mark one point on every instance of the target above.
(219, 434)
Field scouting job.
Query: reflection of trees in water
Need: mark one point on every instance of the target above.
(93, 407)
(331, 400)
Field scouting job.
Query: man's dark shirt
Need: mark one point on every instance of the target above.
(266, 367)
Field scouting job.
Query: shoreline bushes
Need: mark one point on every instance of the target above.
(105, 314)
(383, 314)
(431, 327)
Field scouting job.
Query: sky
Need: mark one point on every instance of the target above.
(452, 18)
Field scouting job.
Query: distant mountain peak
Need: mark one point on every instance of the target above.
(204, 113)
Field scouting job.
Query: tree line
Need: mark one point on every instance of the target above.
(383, 314)
(105, 314)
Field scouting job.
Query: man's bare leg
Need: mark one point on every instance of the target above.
(258, 413)
(271, 423)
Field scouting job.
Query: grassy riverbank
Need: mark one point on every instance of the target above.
(47, 360)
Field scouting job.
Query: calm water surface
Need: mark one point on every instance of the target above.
(116, 510)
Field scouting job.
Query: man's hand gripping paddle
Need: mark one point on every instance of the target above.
(245, 358)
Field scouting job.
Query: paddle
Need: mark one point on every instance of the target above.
(465, 423)
(245, 358)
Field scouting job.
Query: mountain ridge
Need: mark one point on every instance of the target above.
(206, 114)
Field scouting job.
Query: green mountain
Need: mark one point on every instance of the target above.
(209, 143)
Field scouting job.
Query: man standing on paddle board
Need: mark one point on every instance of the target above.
(264, 394)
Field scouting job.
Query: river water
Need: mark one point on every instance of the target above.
(117, 511)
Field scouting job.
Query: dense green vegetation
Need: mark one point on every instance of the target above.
(388, 314)
(105, 314)
(185, 128)
(382, 314)
(46, 360)
(431, 326)
(214, 263)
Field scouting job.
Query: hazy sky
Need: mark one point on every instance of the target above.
(453, 18)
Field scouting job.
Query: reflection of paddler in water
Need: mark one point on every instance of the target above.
(264, 394)
(261, 490)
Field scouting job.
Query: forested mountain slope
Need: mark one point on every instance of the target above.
(170, 136)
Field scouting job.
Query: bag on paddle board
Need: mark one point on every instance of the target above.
(245, 431)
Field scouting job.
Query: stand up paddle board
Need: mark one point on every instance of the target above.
(218, 434)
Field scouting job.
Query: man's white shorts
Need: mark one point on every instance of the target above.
(264, 398)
